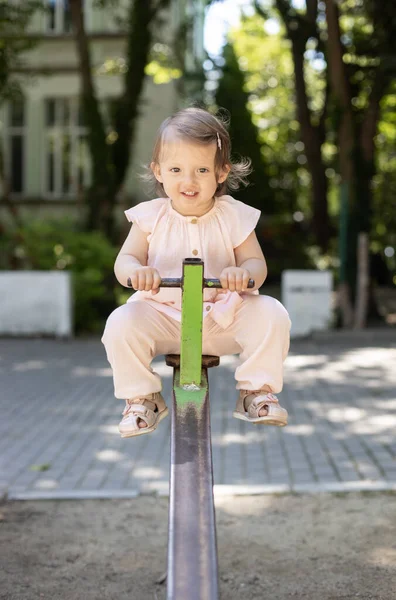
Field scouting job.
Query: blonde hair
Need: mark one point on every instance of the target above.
(200, 126)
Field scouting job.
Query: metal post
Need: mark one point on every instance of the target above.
(191, 323)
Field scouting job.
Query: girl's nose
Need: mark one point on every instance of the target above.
(189, 178)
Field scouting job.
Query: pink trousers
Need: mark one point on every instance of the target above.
(136, 332)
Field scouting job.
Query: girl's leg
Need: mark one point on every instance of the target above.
(260, 334)
(134, 334)
(262, 329)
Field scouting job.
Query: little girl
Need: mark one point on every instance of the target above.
(192, 168)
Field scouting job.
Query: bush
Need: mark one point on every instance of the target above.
(59, 245)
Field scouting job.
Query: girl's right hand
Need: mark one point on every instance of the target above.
(146, 279)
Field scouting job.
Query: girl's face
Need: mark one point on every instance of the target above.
(187, 173)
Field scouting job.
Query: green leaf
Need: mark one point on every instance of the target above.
(43, 467)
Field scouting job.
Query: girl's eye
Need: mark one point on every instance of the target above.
(177, 170)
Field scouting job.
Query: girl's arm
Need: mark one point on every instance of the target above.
(249, 256)
(132, 256)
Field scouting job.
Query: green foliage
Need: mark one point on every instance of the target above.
(257, 87)
(368, 33)
(244, 134)
(58, 245)
(43, 467)
(265, 61)
(14, 18)
(162, 65)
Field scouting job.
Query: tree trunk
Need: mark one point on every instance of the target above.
(367, 161)
(101, 194)
(300, 27)
(346, 142)
(11, 258)
(110, 163)
(139, 43)
(363, 281)
(356, 152)
(312, 138)
(367, 135)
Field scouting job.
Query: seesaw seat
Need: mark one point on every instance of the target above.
(173, 360)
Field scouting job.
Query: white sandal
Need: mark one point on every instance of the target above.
(135, 409)
(276, 415)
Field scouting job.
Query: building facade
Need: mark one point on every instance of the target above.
(46, 157)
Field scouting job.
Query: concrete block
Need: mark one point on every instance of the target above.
(306, 295)
(36, 302)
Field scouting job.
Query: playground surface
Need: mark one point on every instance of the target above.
(303, 512)
(59, 436)
(290, 547)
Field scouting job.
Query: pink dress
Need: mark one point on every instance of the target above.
(211, 237)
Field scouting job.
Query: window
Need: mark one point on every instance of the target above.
(15, 145)
(59, 16)
(66, 156)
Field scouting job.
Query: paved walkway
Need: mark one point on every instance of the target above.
(59, 438)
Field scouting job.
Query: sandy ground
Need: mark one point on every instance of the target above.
(319, 547)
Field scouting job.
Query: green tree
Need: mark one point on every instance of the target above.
(14, 19)
(354, 41)
(244, 134)
(267, 68)
(300, 28)
(110, 160)
(361, 68)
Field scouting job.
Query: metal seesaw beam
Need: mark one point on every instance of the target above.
(192, 546)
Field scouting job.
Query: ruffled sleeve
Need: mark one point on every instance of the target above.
(145, 214)
(240, 218)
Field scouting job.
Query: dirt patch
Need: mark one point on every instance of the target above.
(319, 547)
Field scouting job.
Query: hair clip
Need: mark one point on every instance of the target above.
(218, 141)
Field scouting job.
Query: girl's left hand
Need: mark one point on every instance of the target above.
(235, 279)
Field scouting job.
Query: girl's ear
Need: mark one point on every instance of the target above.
(224, 173)
(157, 171)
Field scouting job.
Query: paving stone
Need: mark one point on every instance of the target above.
(334, 440)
